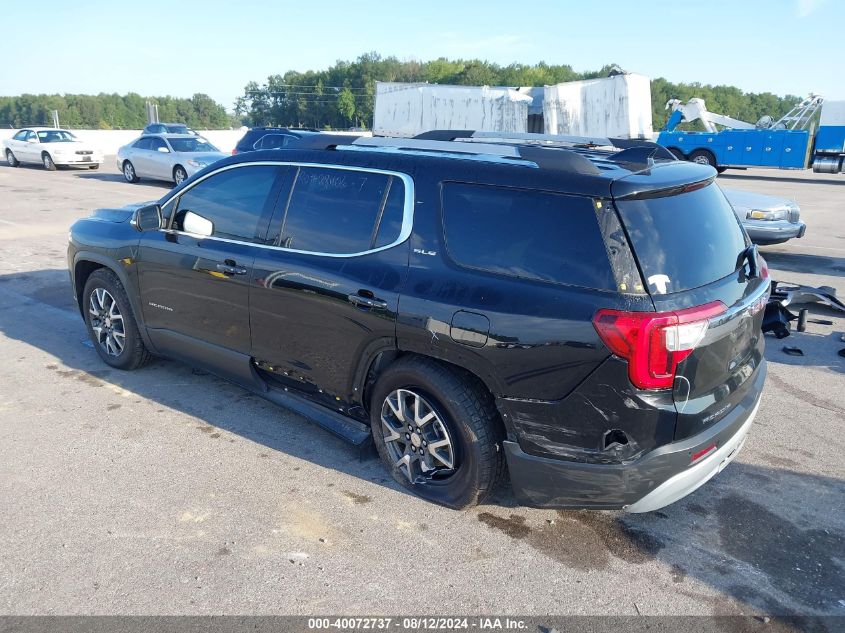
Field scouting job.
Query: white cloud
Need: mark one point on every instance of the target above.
(804, 8)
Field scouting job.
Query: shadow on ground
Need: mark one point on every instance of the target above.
(766, 537)
(803, 263)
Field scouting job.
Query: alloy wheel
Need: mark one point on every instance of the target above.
(129, 172)
(179, 176)
(415, 436)
(106, 322)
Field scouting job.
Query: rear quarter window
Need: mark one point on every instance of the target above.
(525, 233)
(683, 241)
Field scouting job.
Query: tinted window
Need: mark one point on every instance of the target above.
(274, 141)
(20, 136)
(143, 143)
(390, 224)
(155, 128)
(525, 233)
(155, 143)
(684, 241)
(334, 210)
(233, 200)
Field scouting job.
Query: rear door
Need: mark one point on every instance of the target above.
(326, 296)
(693, 254)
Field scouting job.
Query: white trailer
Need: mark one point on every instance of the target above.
(618, 106)
(406, 109)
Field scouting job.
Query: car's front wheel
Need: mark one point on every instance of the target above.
(10, 158)
(437, 432)
(129, 172)
(179, 174)
(47, 161)
(111, 323)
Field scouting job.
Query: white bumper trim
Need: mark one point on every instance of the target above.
(695, 476)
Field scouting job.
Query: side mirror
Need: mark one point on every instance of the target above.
(196, 224)
(32, 139)
(148, 218)
(164, 150)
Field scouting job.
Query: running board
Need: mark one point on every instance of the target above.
(336, 423)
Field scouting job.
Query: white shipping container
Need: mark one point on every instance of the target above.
(833, 113)
(618, 106)
(403, 109)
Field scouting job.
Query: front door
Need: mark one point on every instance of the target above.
(195, 285)
(328, 295)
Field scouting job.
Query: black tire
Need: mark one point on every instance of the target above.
(47, 161)
(134, 353)
(703, 157)
(129, 173)
(467, 411)
(179, 175)
(677, 153)
(97, 166)
(11, 159)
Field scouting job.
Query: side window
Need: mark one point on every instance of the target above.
(274, 141)
(21, 136)
(234, 200)
(524, 233)
(390, 225)
(339, 211)
(30, 135)
(143, 143)
(155, 143)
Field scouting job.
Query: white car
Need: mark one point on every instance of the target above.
(172, 157)
(52, 147)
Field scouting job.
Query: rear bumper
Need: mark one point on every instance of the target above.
(658, 478)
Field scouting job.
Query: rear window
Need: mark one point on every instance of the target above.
(683, 241)
(525, 233)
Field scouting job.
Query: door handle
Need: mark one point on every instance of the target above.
(367, 302)
(231, 269)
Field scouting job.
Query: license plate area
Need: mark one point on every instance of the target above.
(86, 159)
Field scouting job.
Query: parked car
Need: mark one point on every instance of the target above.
(767, 219)
(589, 317)
(270, 138)
(168, 128)
(51, 147)
(172, 157)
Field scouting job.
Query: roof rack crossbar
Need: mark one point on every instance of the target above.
(588, 141)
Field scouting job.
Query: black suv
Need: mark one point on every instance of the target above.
(258, 138)
(588, 317)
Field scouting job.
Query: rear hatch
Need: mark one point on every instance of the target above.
(702, 272)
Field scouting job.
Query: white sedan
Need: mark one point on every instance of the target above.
(172, 157)
(50, 147)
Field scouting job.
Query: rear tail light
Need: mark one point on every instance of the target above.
(654, 343)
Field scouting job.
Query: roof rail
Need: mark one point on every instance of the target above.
(584, 141)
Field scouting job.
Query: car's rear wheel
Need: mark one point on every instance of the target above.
(47, 161)
(10, 158)
(437, 432)
(129, 172)
(179, 174)
(111, 323)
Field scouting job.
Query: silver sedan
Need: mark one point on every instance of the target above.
(171, 157)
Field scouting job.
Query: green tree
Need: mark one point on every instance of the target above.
(346, 104)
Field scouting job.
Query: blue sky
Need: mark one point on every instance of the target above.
(181, 47)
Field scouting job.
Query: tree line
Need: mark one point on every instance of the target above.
(342, 95)
(111, 111)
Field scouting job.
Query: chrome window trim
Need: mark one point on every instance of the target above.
(407, 213)
(261, 140)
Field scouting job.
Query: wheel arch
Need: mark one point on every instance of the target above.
(384, 358)
(84, 265)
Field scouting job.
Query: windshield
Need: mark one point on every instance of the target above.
(684, 241)
(55, 136)
(177, 129)
(191, 145)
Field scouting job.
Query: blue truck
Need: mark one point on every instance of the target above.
(791, 142)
